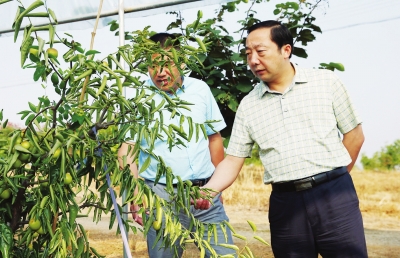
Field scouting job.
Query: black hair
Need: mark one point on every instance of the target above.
(280, 34)
(163, 37)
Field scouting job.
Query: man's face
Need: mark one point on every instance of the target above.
(264, 57)
(164, 73)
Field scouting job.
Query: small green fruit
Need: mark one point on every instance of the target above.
(17, 164)
(67, 179)
(34, 224)
(24, 157)
(26, 144)
(5, 194)
(40, 231)
(56, 153)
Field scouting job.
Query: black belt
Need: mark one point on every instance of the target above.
(195, 182)
(309, 182)
(199, 182)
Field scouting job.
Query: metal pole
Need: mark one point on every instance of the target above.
(131, 9)
(121, 15)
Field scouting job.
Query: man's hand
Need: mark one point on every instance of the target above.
(202, 204)
(135, 216)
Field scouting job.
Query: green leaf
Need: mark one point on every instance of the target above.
(91, 52)
(145, 165)
(78, 118)
(201, 57)
(300, 52)
(293, 5)
(236, 57)
(6, 240)
(114, 26)
(252, 225)
(33, 58)
(32, 106)
(244, 86)
(337, 66)
(4, 1)
(29, 119)
(233, 104)
(38, 72)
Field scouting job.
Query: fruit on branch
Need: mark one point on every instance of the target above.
(52, 52)
(17, 164)
(26, 144)
(34, 224)
(68, 179)
(56, 153)
(5, 194)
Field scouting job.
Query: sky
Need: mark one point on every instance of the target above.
(362, 35)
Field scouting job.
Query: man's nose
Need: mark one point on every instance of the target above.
(253, 59)
(161, 71)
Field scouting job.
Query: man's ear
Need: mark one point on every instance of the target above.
(286, 50)
(183, 66)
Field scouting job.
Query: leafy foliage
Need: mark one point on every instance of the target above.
(386, 159)
(70, 143)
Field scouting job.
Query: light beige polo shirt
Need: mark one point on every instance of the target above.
(297, 131)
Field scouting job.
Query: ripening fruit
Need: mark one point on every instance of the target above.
(34, 224)
(56, 153)
(52, 52)
(34, 51)
(26, 144)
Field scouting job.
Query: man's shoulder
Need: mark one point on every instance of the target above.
(190, 81)
(254, 94)
(314, 73)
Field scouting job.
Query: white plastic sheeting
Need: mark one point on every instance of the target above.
(81, 14)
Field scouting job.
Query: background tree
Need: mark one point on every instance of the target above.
(225, 67)
(386, 159)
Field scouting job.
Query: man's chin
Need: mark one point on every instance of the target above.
(165, 88)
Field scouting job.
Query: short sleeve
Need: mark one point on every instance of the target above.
(240, 143)
(346, 115)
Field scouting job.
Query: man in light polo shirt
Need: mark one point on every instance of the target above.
(195, 161)
(295, 116)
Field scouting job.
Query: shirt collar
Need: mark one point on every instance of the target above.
(182, 88)
(299, 77)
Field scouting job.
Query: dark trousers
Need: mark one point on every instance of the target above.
(325, 219)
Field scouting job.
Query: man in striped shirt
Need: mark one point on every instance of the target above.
(296, 116)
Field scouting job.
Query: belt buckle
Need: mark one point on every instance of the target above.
(303, 184)
(197, 182)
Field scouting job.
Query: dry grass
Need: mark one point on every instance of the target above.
(378, 191)
(248, 191)
(248, 197)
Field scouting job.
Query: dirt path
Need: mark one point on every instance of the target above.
(382, 235)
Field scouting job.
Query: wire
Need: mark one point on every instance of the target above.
(360, 24)
(16, 85)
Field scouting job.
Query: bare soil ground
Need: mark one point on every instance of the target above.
(379, 203)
